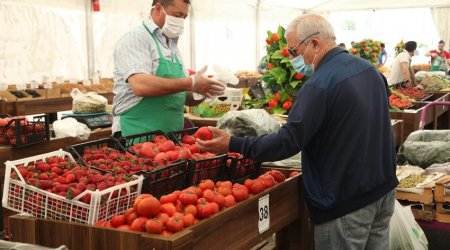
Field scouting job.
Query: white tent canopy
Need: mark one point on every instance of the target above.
(64, 38)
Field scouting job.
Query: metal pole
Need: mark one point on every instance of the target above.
(258, 32)
(192, 38)
(89, 39)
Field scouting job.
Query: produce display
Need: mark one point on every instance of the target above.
(411, 181)
(398, 103)
(435, 83)
(413, 93)
(184, 208)
(18, 130)
(54, 186)
(367, 49)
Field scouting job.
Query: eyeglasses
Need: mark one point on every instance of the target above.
(293, 52)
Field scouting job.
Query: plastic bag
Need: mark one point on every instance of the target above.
(87, 103)
(405, 232)
(223, 75)
(427, 147)
(438, 168)
(69, 127)
(252, 122)
(23, 246)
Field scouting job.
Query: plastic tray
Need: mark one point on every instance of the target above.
(17, 135)
(214, 168)
(242, 168)
(22, 197)
(166, 179)
(78, 152)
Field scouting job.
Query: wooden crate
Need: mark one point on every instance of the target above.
(426, 197)
(424, 212)
(234, 228)
(439, 191)
(411, 118)
(397, 132)
(442, 213)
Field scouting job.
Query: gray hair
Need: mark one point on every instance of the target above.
(308, 24)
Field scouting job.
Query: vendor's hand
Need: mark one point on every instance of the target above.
(433, 54)
(220, 144)
(206, 86)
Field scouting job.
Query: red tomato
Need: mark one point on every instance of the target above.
(166, 146)
(139, 198)
(154, 226)
(257, 187)
(194, 149)
(240, 193)
(278, 96)
(148, 207)
(175, 224)
(196, 189)
(204, 133)
(138, 224)
(275, 37)
(169, 198)
(162, 217)
(168, 208)
(133, 216)
(248, 183)
(227, 184)
(206, 184)
(149, 150)
(285, 52)
(209, 195)
(128, 212)
(224, 190)
(188, 197)
(184, 154)
(277, 175)
(190, 209)
(220, 200)
(179, 206)
(215, 207)
(298, 76)
(204, 210)
(268, 41)
(188, 139)
(293, 173)
(159, 139)
(273, 102)
(188, 220)
(177, 193)
(161, 158)
(229, 201)
(287, 105)
(166, 233)
(268, 180)
(124, 227)
(118, 220)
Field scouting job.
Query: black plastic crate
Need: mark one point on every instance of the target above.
(166, 179)
(128, 141)
(211, 168)
(18, 132)
(177, 135)
(78, 152)
(240, 169)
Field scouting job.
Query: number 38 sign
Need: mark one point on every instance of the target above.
(263, 214)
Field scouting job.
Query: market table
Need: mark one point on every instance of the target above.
(233, 228)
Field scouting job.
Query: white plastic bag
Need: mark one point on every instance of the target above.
(405, 232)
(87, 103)
(223, 75)
(69, 127)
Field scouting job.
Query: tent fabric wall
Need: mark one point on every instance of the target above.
(441, 18)
(41, 39)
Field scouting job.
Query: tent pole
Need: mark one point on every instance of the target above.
(192, 38)
(258, 32)
(89, 39)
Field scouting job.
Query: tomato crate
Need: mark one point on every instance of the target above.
(19, 131)
(241, 168)
(113, 157)
(129, 141)
(86, 207)
(165, 179)
(213, 168)
(177, 135)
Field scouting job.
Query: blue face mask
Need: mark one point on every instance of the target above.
(300, 66)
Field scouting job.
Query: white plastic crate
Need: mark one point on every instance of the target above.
(22, 197)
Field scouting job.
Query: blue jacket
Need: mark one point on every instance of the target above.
(340, 121)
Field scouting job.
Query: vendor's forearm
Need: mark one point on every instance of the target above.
(149, 85)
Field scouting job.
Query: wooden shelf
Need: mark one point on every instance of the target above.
(39, 106)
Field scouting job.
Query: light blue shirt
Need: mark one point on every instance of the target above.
(136, 52)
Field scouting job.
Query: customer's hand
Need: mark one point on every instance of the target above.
(206, 86)
(218, 145)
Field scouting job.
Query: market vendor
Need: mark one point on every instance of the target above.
(401, 70)
(150, 83)
(340, 122)
(440, 59)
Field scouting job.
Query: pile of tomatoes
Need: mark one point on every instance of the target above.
(413, 93)
(181, 209)
(395, 101)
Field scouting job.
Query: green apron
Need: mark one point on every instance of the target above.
(436, 65)
(164, 113)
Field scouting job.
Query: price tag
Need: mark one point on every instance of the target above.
(263, 214)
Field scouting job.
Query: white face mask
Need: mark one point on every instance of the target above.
(173, 26)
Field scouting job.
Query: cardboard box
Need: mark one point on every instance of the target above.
(230, 100)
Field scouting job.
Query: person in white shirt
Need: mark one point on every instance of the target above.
(401, 70)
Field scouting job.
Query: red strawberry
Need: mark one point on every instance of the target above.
(43, 176)
(71, 178)
(91, 187)
(44, 184)
(80, 186)
(102, 186)
(61, 187)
